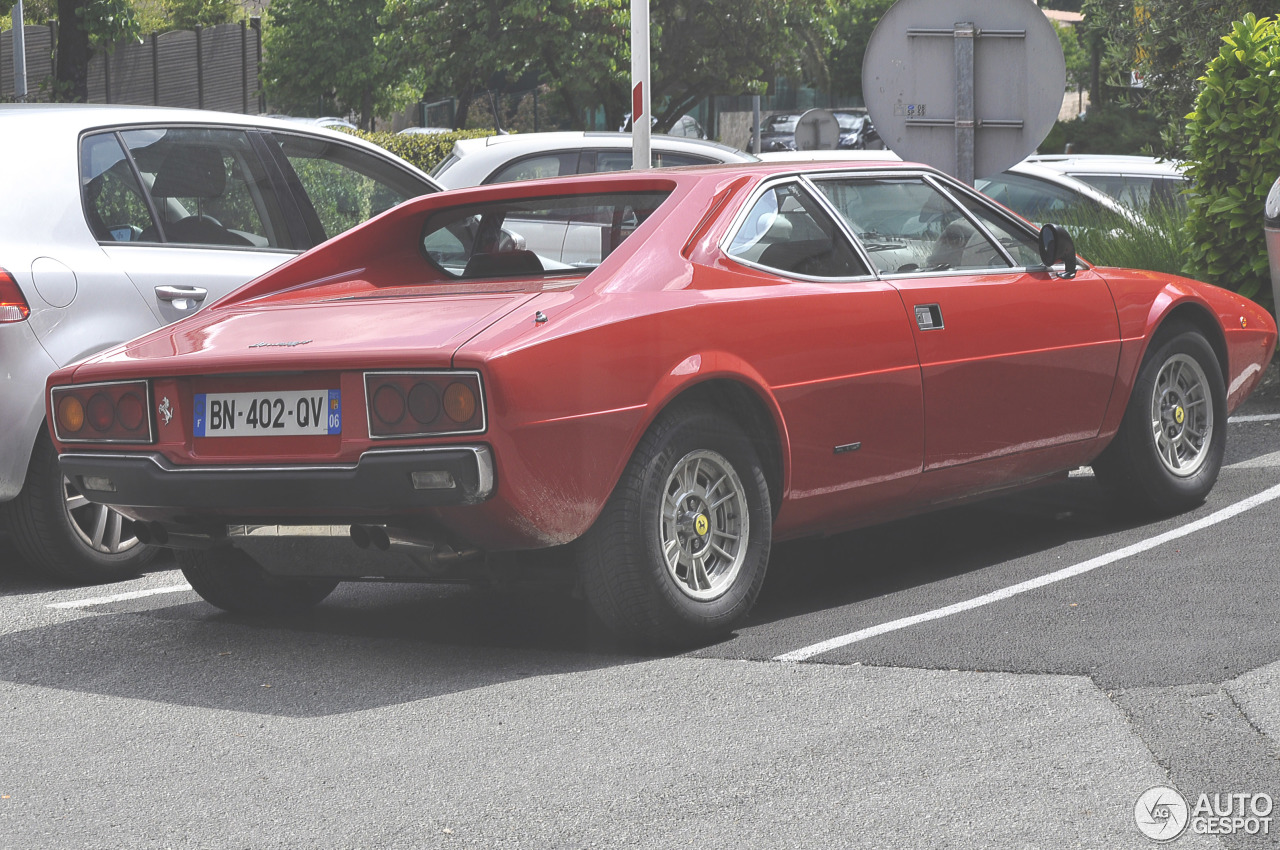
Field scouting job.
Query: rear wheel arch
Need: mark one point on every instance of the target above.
(743, 405)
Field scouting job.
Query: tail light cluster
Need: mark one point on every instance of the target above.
(423, 404)
(13, 306)
(109, 413)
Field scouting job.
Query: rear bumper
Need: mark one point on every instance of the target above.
(392, 480)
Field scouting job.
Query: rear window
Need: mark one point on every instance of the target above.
(527, 237)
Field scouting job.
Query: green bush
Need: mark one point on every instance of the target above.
(425, 150)
(1233, 153)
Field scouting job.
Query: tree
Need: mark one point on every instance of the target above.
(464, 50)
(321, 56)
(713, 47)
(1167, 43)
(582, 48)
(854, 22)
(85, 27)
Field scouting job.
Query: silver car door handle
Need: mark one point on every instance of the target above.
(181, 293)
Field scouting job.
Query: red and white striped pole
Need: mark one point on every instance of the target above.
(640, 114)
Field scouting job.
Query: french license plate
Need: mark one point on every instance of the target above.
(287, 413)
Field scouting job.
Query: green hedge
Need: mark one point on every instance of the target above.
(1233, 153)
(425, 150)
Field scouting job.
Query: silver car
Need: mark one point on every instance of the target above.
(525, 156)
(118, 219)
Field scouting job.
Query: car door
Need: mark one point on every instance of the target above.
(1014, 358)
(188, 213)
(841, 359)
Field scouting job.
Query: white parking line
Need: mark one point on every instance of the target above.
(1213, 519)
(1256, 417)
(120, 597)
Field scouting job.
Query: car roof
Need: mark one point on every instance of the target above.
(1066, 181)
(1107, 164)
(54, 120)
(474, 160)
(515, 144)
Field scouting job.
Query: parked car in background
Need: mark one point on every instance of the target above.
(1135, 181)
(524, 156)
(118, 219)
(423, 131)
(685, 127)
(1271, 231)
(752, 353)
(778, 131)
(1042, 194)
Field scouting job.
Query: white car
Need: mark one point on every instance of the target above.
(119, 219)
(525, 156)
(1135, 181)
(1041, 194)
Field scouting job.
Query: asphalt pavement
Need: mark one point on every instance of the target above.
(1010, 674)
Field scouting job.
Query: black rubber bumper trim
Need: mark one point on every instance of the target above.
(381, 479)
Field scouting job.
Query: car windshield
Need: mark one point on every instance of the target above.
(524, 237)
(781, 123)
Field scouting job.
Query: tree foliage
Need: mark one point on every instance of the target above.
(582, 48)
(189, 14)
(1233, 148)
(854, 22)
(713, 47)
(1168, 43)
(321, 57)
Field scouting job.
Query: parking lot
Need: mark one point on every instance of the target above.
(1013, 673)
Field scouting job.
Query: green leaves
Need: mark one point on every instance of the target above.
(1233, 149)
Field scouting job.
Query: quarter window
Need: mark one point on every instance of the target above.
(786, 230)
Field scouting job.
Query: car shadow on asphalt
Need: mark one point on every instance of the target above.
(809, 576)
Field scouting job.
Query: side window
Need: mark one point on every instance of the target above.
(344, 185)
(620, 160)
(667, 159)
(114, 204)
(208, 187)
(787, 230)
(1022, 246)
(908, 226)
(534, 167)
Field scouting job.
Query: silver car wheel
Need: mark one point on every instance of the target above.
(102, 529)
(705, 526)
(1182, 415)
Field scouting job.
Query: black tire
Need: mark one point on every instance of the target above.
(629, 583)
(233, 581)
(66, 537)
(1167, 454)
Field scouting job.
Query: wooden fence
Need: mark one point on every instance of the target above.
(205, 68)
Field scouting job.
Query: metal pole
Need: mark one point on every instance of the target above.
(755, 124)
(640, 94)
(19, 55)
(965, 32)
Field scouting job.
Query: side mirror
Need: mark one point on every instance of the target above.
(1056, 245)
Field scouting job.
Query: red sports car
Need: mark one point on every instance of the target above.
(666, 370)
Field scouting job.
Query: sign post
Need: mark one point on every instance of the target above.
(19, 55)
(640, 116)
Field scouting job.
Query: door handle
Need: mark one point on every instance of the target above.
(181, 297)
(929, 317)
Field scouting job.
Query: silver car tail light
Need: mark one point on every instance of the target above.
(13, 306)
